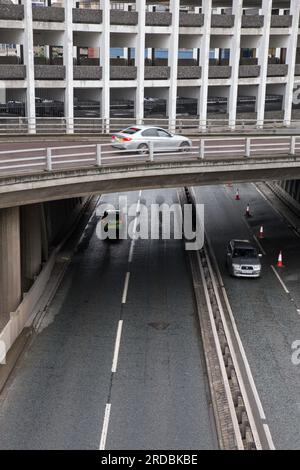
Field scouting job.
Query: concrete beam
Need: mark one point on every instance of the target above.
(10, 263)
(83, 182)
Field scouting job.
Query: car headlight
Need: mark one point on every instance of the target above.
(236, 266)
(256, 267)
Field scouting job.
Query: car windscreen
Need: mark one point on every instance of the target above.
(245, 253)
(131, 131)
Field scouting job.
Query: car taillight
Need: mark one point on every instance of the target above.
(126, 139)
(113, 137)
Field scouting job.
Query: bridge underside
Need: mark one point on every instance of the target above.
(24, 190)
(28, 235)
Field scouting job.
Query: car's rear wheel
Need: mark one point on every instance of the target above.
(184, 147)
(143, 149)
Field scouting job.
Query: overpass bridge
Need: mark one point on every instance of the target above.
(39, 174)
(43, 190)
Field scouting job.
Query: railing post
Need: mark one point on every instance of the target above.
(99, 154)
(107, 126)
(202, 149)
(247, 147)
(293, 145)
(49, 159)
(151, 151)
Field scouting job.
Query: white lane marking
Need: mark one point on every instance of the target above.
(237, 335)
(130, 257)
(280, 280)
(117, 347)
(131, 252)
(125, 291)
(105, 427)
(269, 437)
(295, 230)
(259, 245)
(262, 195)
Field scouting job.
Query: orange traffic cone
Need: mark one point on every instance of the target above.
(261, 232)
(237, 195)
(247, 214)
(280, 262)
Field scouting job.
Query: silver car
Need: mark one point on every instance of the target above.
(139, 138)
(243, 260)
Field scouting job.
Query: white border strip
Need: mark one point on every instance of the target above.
(280, 280)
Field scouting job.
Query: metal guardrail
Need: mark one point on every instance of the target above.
(28, 161)
(85, 126)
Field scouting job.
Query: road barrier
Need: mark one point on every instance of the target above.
(18, 125)
(34, 160)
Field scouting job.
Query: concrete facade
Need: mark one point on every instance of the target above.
(218, 36)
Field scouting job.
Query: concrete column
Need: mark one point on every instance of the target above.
(44, 233)
(263, 50)
(291, 61)
(173, 63)
(105, 60)
(237, 10)
(68, 63)
(31, 244)
(204, 62)
(29, 62)
(140, 62)
(10, 262)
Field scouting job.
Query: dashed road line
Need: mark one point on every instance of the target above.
(259, 245)
(105, 427)
(280, 280)
(117, 347)
(125, 291)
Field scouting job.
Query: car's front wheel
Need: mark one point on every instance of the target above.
(143, 149)
(184, 147)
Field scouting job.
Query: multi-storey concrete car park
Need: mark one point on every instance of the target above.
(218, 53)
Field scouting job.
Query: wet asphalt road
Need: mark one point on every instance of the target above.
(57, 396)
(267, 317)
